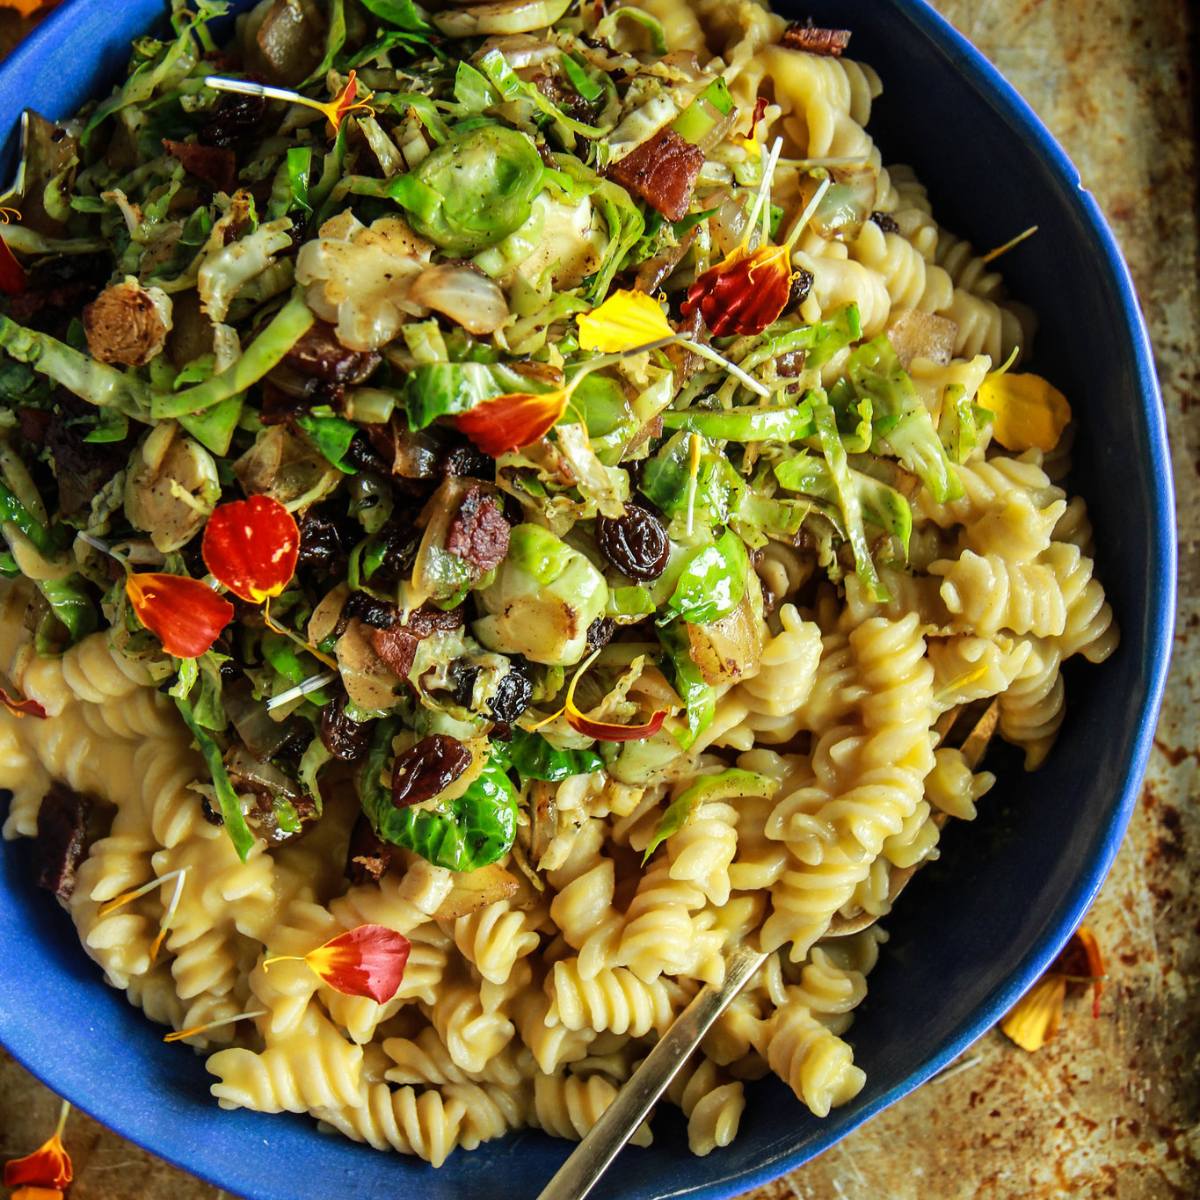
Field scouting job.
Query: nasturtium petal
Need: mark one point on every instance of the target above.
(12, 274)
(513, 420)
(1029, 412)
(744, 293)
(367, 961)
(185, 614)
(251, 547)
(20, 707)
(49, 1166)
(1035, 1018)
(623, 322)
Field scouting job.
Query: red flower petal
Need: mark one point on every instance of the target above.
(744, 294)
(47, 1167)
(185, 614)
(251, 546)
(604, 732)
(21, 708)
(368, 960)
(12, 274)
(511, 421)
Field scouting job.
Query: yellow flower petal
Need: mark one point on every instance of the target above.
(1035, 1018)
(1029, 412)
(625, 320)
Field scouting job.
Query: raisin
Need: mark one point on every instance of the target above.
(467, 460)
(430, 767)
(235, 119)
(343, 737)
(209, 813)
(513, 694)
(370, 610)
(363, 456)
(885, 221)
(636, 543)
(462, 678)
(320, 543)
(430, 619)
(802, 283)
(399, 552)
(600, 632)
(319, 355)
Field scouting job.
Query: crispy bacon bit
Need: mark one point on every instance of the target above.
(396, 647)
(885, 221)
(804, 35)
(319, 355)
(661, 171)
(368, 856)
(62, 837)
(479, 533)
(127, 323)
(214, 165)
(429, 619)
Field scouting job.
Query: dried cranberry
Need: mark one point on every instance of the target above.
(479, 532)
(430, 767)
(636, 543)
(600, 632)
(513, 694)
(344, 738)
(235, 119)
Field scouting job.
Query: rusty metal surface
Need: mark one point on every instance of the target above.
(1110, 1108)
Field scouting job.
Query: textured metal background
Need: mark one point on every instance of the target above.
(1111, 1108)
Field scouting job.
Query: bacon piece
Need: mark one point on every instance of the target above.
(479, 533)
(396, 647)
(804, 35)
(62, 838)
(662, 171)
(214, 165)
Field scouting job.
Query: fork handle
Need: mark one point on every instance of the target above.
(618, 1123)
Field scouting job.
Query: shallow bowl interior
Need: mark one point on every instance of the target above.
(974, 929)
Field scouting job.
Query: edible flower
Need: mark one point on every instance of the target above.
(22, 708)
(12, 274)
(180, 1035)
(48, 1167)
(604, 731)
(515, 419)
(1036, 1017)
(1029, 413)
(185, 614)
(748, 289)
(252, 547)
(335, 110)
(178, 877)
(631, 322)
(368, 961)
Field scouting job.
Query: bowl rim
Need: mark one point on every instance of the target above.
(1019, 115)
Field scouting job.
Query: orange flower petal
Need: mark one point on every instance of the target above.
(251, 547)
(513, 420)
(12, 274)
(21, 708)
(1035, 1018)
(743, 294)
(368, 960)
(1082, 962)
(186, 615)
(49, 1166)
(37, 1193)
(605, 732)
(344, 103)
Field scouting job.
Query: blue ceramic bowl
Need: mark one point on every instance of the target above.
(974, 930)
